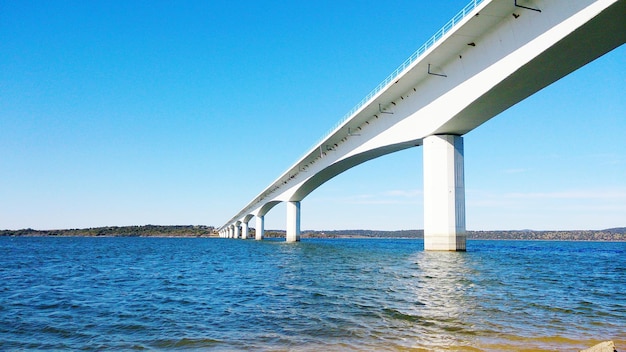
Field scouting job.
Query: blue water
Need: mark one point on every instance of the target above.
(333, 295)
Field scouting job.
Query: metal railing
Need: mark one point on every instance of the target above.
(419, 52)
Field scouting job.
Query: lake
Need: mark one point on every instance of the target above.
(319, 294)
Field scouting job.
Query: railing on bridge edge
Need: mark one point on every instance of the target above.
(429, 43)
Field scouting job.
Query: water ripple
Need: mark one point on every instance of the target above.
(332, 295)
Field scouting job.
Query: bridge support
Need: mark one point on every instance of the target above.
(236, 230)
(444, 193)
(244, 230)
(260, 228)
(293, 221)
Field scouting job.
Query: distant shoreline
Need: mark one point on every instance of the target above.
(328, 238)
(203, 231)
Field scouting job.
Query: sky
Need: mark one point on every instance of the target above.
(116, 113)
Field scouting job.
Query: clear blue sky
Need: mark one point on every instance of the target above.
(120, 113)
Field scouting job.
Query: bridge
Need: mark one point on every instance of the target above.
(490, 56)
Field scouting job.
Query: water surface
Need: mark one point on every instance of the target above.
(333, 295)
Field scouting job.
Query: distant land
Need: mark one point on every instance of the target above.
(613, 234)
(122, 231)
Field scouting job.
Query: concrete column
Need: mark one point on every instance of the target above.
(244, 230)
(444, 193)
(260, 228)
(293, 221)
(236, 230)
(231, 231)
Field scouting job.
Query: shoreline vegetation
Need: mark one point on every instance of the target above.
(614, 234)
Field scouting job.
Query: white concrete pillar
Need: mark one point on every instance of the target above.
(231, 231)
(260, 228)
(236, 230)
(244, 230)
(444, 194)
(293, 221)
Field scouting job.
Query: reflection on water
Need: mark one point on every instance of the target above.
(332, 295)
(442, 286)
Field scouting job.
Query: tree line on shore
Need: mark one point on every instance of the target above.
(613, 234)
(121, 231)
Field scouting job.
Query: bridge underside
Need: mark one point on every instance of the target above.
(595, 38)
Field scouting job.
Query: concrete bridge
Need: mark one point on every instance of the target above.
(490, 56)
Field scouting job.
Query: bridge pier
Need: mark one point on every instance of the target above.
(236, 230)
(444, 193)
(260, 228)
(293, 221)
(244, 230)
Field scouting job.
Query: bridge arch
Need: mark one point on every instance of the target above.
(265, 208)
(343, 165)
